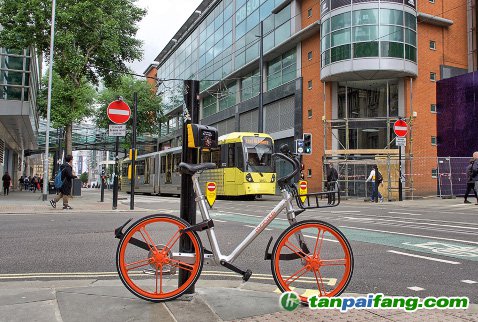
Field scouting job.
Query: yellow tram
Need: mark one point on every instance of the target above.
(244, 168)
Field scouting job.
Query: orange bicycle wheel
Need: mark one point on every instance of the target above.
(312, 257)
(148, 261)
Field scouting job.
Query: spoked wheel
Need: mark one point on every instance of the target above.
(148, 258)
(312, 257)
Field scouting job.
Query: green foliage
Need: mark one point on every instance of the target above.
(149, 105)
(70, 102)
(93, 38)
(84, 177)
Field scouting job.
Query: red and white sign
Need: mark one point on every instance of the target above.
(118, 112)
(302, 189)
(400, 128)
(211, 186)
(211, 193)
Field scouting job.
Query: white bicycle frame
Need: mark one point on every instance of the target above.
(216, 257)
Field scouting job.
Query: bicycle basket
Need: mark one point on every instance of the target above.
(314, 200)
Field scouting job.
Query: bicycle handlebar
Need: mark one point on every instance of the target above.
(295, 164)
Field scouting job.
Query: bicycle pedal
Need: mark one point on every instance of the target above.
(247, 275)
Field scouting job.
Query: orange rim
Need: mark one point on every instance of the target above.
(159, 258)
(313, 262)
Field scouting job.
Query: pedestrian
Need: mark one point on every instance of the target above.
(7, 180)
(470, 184)
(474, 171)
(377, 180)
(332, 177)
(66, 177)
(34, 184)
(26, 183)
(20, 183)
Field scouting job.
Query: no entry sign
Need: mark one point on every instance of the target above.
(302, 189)
(210, 193)
(118, 112)
(400, 128)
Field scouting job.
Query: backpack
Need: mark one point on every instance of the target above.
(58, 180)
(379, 177)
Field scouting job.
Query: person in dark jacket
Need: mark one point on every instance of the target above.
(6, 183)
(332, 177)
(65, 190)
(470, 184)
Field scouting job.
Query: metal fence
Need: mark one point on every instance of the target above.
(421, 176)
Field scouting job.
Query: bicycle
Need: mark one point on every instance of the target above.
(309, 253)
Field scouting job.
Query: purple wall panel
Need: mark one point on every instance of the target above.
(457, 116)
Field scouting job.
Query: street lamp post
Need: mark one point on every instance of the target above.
(261, 79)
(46, 179)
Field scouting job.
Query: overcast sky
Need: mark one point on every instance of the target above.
(163, 20)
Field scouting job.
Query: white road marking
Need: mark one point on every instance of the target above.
(416, 288)
(346, 211)
(424, 257)
(415, 223)
(315, 237)
(220, 220)
(469, 281)
(403, 213)
(250, 226)
(414, 235)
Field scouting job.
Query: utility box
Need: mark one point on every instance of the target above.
(76, 187)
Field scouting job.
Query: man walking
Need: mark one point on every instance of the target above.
(332, 177)
(474, 173)
(377, 179)
(66, 177)
(470, 184)
(6, 183)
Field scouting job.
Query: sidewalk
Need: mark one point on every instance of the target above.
(29, 202)
(214, 300)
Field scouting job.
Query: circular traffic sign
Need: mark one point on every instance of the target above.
(211, 186)
(303, 185)
(118, 112)
(400, 127)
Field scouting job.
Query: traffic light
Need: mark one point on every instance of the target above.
(307, 143)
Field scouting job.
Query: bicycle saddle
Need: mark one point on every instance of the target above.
(191, 169)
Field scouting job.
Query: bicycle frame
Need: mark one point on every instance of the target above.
(216, 255)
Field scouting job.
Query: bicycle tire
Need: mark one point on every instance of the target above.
(308, 263)
(158, 260)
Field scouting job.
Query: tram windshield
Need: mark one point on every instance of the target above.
(258, 154)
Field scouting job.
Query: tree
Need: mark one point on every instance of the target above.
(150, 113)
(84, 177)
(70, 103)
(93, 39)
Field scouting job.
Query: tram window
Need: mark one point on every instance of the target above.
(230, 155)
(223, 156)
(146, 170)
(216, 157)
(239, 156)
(163, 164)
(177, 160)
(140, 168)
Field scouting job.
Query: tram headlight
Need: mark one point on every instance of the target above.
(249, 178)
(273, 178)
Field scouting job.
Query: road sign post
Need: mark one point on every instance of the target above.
(400, 127)
(133, 149)
(187, 203)
(119, 113)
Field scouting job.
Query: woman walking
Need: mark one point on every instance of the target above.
(6, 183)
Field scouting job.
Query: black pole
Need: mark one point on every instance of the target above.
(188, 203)
(400, 195)
(133, 150)
(261, 80)
(375, 190)
(102, 186)
(115, 179)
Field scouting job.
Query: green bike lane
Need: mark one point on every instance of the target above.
(453, 248)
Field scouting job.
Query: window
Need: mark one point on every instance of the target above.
(309, 84)
(433, 76)
(309, 55)
(434, 140)
(435, 173)
(309, 173)
(433, 45)
(433, 108)
(309, 114)
(309, 13)
(431, 1)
